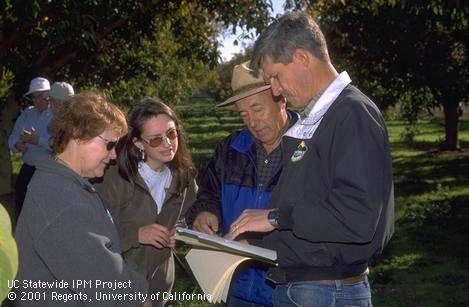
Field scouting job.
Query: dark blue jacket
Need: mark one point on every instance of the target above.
(335, 199)
(231, 180)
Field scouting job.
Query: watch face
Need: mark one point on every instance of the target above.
(273, 217)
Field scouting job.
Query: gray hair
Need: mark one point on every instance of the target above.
(292, 31)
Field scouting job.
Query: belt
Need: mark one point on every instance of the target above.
(345, 281)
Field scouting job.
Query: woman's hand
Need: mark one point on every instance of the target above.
(172, 238)
(156, 235)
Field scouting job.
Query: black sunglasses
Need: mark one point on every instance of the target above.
(171, 134)
(110, 145)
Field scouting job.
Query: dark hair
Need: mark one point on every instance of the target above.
(128, 155)
(292, 31)
(85, 116)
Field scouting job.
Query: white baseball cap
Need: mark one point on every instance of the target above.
(38, 84)
(60, 91)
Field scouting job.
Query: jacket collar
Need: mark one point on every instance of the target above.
(49, 165)
(243, 141)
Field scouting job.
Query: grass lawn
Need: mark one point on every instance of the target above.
(426, 263)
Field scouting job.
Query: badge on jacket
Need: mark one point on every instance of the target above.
(299, 152)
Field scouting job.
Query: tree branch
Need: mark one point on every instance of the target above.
(100, 36)
(12, 39)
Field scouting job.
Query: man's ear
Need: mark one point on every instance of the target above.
(301, 56)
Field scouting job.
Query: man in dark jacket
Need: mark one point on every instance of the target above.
(242, 174)
(333, 208)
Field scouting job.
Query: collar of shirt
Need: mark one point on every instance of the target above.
(304, 128)
(260, 150)
(157, 182)
(150, 175)
(307, 109)
(266, 163)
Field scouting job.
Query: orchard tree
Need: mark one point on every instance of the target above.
(414, 52)
(219, 85)
(101, 43)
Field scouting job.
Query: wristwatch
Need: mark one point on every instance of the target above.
(273, 218)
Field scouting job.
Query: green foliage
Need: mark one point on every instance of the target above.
(8, 253)
(154, 73)
(218, 86)
(409, 133)
(129, 49)
(6, 80)
(411, 52)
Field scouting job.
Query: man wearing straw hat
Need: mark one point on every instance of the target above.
(242, 174)
(59, 92)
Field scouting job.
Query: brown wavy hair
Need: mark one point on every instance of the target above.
(128, 155)
(83, 117)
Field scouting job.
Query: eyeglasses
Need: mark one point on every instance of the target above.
(110, 145)
(156, 141)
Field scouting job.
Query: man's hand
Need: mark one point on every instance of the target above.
(252, 220)
(156, 235)
(206, 222)
(30, 137)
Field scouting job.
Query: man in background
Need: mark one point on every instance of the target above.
(59, 92)
(30, 136)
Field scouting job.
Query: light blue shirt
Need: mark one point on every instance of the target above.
(31, 118)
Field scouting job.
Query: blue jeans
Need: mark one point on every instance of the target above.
(314, 294)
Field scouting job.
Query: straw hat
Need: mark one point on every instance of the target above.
(244, 84)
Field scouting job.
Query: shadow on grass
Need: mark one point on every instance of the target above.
(421, 173)
(426, 262)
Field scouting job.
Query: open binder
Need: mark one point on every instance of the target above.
(213, 260)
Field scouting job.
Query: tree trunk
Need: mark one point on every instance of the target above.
(451, 127)
(8, 115)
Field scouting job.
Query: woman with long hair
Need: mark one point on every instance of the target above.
(150, 189)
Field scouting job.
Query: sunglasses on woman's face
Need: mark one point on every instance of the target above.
(110, 145)
(156, 141)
